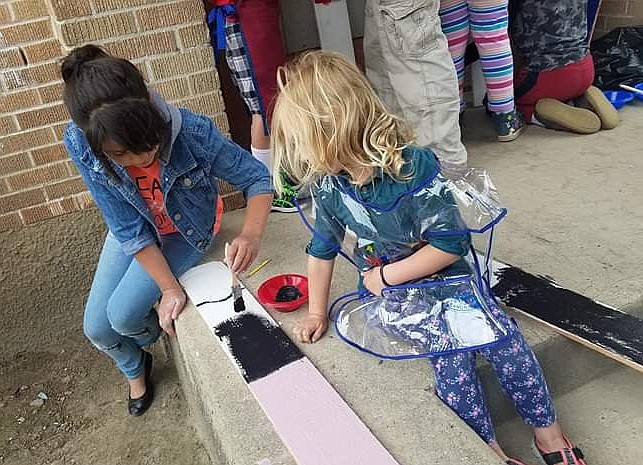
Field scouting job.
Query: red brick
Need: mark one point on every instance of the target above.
(65, 188)
(19, 34)
(26, 140)
(43, 116)
(207, 104)
(43, 51)
(5, 14)
(194, 60)
(22, 100)
(221, 122)
(49, 154)
(59, 129)
(142, 68)
(41, 213)
(204, 82)
(143, 45)
(83, 201)
(7, 125)
(225, 188)
(10, 221)
(233, 201)
(108, 5)
(100, 28)
(11, 58)
(14, 202)
(14, 163)
(71, 168)
(38, 176)
(67, 9)
(29, 9)
(194, 35)
(169, 14)
(32, 75)
(174, 89)
(52, 93)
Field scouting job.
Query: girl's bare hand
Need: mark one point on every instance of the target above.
(171, 305)
(311, 328)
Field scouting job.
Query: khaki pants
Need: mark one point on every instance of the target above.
(409, 65)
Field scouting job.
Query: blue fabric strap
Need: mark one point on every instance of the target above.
(216, 20)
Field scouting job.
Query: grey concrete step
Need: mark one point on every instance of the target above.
(394, 399)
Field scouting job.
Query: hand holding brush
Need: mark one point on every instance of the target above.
(237, 290)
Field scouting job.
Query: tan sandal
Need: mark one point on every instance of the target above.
(602, 107)
(555, 114)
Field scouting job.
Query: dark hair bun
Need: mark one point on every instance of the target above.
(73, 62)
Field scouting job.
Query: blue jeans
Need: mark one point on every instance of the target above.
(119, 318)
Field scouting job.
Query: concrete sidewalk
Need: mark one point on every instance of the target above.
(575, 215)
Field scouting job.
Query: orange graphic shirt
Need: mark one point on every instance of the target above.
(148, 183)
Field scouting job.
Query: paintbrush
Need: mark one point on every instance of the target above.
(237, 292)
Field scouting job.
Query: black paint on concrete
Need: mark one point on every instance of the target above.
(257, 344)
(598, 324)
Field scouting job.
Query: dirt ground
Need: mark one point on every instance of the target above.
(82, 416)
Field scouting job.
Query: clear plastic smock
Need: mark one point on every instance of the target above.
(449, 312)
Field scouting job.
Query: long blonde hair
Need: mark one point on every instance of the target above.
(327, 119)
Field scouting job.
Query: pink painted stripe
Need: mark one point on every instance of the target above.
(313, 421)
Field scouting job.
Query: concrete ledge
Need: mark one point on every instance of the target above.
(394, 399)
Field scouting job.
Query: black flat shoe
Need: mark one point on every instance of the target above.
(138, 407)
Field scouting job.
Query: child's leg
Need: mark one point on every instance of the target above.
(522, 379)
(541, 96)
(262, 30)
(489, 22)
(457, 385)
(415, 58)
(119, 319)
(527, 92)
(374, 57)
(454, 15)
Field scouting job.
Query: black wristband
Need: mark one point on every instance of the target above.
(384, 281)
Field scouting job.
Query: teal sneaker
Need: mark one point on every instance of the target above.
(285, 203)
(509, 125)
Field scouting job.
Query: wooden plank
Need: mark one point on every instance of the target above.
(597, 326)
(334, 28)
(312, 420)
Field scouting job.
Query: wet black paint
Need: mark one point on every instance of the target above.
(257, 344)
(214, 301)
(600, 325)
(287, 294)
(239, 305)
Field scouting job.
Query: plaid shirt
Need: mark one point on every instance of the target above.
(240, 64)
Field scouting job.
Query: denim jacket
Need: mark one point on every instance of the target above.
(199, 156)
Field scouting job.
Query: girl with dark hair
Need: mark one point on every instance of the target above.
(152, 169)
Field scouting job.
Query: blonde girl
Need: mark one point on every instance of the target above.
(329, 129)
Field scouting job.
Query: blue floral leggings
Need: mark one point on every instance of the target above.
(519, 373)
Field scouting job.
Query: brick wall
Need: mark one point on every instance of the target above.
(168, 42)
(617, 13)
